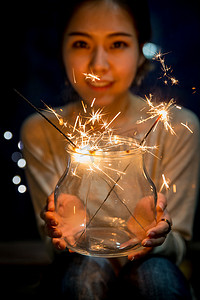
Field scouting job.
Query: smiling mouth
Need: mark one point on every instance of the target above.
(100, 84)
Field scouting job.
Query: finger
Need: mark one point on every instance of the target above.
(50, 206)
(71, 251)
(139, 254)
(153, 242)
(42, 213)
(161, 202)
(161, 229)
(164, 215)
(50, 203)
(132, 242)
(168, 222)
(161, 206)
(59, 244)
(50, 218)
(53, 232)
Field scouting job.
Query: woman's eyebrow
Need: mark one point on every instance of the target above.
(74, 33)
(120, 34)
(79, 33)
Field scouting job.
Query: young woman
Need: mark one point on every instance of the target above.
(105, 37)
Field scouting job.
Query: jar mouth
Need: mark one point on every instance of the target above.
(106, 145)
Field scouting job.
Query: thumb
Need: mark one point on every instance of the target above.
(50, 203)
(161, 205)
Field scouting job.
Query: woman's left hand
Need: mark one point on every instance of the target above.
(156, 235)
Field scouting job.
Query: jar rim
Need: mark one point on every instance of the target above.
(106, 145)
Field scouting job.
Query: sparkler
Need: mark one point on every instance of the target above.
(166, 70)
(49, 121)
(161, 111)
(79, 127)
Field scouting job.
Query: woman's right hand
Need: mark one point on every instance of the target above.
(51, 219)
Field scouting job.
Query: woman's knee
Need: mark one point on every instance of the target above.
(156, 278)
(88, 278)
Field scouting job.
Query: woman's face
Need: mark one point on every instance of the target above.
(101, 39)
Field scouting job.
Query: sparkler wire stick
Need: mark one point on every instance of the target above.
(49, 121)
(146, 135)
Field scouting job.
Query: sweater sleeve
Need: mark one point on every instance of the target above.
(180, 164)
(41, 172)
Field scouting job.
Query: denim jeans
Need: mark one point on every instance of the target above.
(78, 277)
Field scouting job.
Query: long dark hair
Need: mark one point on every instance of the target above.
(137, 9)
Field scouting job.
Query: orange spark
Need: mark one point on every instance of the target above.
(164, 184)
(93, 102)
(74, 77)
(186, 126)
(91, 76)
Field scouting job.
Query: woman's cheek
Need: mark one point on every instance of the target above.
(129, 66)
(75, 69)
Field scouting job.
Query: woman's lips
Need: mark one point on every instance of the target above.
(99, 84)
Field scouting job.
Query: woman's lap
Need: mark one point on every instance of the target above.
(80, 277)
(154, 278)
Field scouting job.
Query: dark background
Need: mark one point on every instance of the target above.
(30, 64)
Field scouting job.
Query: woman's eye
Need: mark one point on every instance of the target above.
(119, 45)
(80, 44)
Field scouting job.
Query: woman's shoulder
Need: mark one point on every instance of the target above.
(34, 125)
(186, 133)
(183, 118)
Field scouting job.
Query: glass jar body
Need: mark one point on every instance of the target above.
(105, 202)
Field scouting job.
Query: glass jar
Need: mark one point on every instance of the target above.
(105, 199)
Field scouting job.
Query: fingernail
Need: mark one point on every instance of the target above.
(147, 243)
(54, 223)
(56, 234)
(51, 207)
(151, 234)
(58, 246)
(160, 205)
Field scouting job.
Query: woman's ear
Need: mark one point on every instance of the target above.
(141, 60)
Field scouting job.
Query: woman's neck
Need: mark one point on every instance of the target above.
(121, 105)
(118, 107)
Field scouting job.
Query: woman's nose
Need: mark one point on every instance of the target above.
(99, 62)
